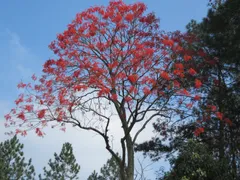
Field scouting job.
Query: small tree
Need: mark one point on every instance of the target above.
(63, 167)
(114, 65)
(94, 176)
(12, 161)
(109, 171)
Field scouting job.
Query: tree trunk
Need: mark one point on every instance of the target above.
(221, 141)
(127, 169)
(221, 87)
(233, 153)
(130, 157)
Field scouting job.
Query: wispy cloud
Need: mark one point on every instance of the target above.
(20, 57)
(16, 46)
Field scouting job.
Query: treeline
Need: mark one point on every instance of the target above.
(14, 166)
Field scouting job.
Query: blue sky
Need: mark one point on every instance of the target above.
(26, 29)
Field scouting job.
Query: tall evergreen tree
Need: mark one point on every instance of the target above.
(13, 165)
(63, 166)
(219, 36)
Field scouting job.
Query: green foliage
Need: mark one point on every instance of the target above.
(220, 31)
(109, 171)
(195, 162)
(63, 166)
(12, 162)
(220, 35)
(95, 176)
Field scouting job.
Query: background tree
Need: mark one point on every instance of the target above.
(63, 167)
(114, 64)
(195, 161)
(109, 171)
(219, 33)
(94, 176)
(219, 36)
(12, 161)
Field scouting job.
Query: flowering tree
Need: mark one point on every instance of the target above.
(112, 56)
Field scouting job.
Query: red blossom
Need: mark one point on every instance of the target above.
(133, 78)
(79, 87)
(129, 17)
(113, 65)
(29, 108)
(189, 105)
(198, 131)
(41, 113)
(7, 117)
(61, 116)
(192, 72)
(219, 115)
(63, 129)
(24, 133)
(176, 84)
(39, 132)
(18, 131)
(213, 108)
(184, 92)
(198, 83)
(104, 91)
(165, 75)
(21, 116)
(127, 99)
(34, 78)
(20, 99)
(133, 90)
(29, 99)
(146, 91)
(187, 57)
(179, 66)
(21, 85)
(168, 42)
(228, 121)
(61, 64)
(114, 97)
(197, 97)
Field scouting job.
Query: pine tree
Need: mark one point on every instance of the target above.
(95, 176)
(109, 171)
(12, 162)
(63, 166)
